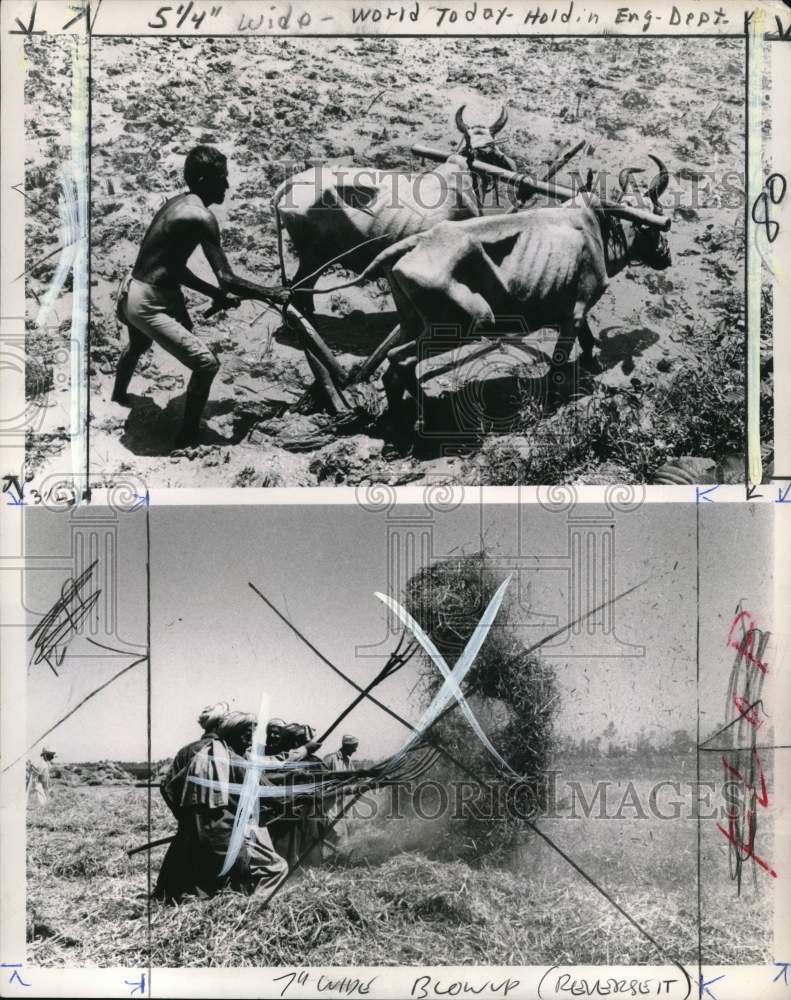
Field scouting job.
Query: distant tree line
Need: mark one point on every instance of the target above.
(644, 744)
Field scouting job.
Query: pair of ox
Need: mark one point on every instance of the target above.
(547, 267)
(354, 213)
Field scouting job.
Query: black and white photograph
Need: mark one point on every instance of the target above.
(395, 493)
(349, 260)
(561, 806)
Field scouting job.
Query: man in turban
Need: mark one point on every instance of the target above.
(173, 875)
(341, 760)
(296, 832)
(172, 785)
(212, 715)
(39, 775)
(274, 736)
(206, 812)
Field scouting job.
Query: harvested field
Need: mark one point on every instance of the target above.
(395, 906)
(671, 343)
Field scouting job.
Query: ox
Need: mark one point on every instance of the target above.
(352, 212)
(547, 266)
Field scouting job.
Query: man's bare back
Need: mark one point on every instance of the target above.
(179, 226)
(175, 231)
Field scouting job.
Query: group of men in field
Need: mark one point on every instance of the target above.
(201, 790)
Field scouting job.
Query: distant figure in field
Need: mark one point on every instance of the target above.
(206, 813)
(341, 760)
(150, 301)
(38, 777)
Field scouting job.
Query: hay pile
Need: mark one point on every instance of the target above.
(103, 772)
(513, 693)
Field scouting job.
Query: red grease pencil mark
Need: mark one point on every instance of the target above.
(745, 643)
(763, 798)
(744, 850)
(747, 712)
(743, 768)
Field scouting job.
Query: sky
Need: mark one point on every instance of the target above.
(213, 639)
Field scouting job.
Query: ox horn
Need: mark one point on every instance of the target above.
(623, 179)
(659, 184)
(460, 123)
(502, 121)
(625, 174)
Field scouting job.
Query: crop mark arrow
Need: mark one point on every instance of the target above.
(703, 494)
(29, 29)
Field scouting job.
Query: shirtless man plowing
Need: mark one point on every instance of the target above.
(150, 301)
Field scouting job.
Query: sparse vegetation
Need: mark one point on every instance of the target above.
(626, 435)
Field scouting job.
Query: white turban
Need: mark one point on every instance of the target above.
(212, 714)
(233, 723)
